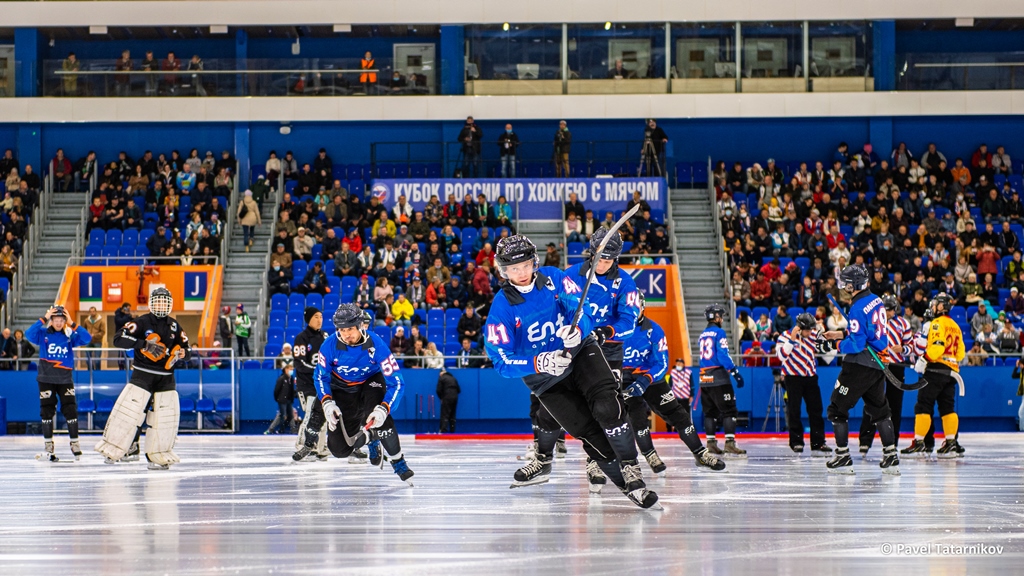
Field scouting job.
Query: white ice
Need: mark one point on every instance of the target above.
(237, 505)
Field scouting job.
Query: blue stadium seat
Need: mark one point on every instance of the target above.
(317, 252)
(354, 171)
(187, 404)
(290, 333)
(435, 318)
(331, 302)
(451, 317)
(418, 171)
(277, 319)
(434, 170)
(958, 314)
(145, 235)
(271, 350)
(758, 311)
(109, 255)
(92, 254)
(113, 238)
(268, 364)
(86, 405)
(275, 336)
(357, 187)
(742, 309)
(224, 405)
(383, 332)
(385, 171)
(315, 300)
(105, 406)
(296, 302)
(279, 302)
(422, 315)
(130, 237)
(295, 318)
(97, 237)
(435, 335)
(204, 405)
(334, 283)
(451, 349)
(252, 364)
(290, 185)
(299, 269)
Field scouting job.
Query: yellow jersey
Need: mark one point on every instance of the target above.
(945, 343)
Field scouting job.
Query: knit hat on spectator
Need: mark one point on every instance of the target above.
(241, 307)
(261, 177)
(249, 192)
(225, 309)
(309, 312)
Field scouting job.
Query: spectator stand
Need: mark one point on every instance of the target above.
(14, 288)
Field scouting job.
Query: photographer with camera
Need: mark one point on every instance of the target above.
(508, 143)
(563, 143)
(654, 148)
(470, 136)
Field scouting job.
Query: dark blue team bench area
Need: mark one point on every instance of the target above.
(489, 403)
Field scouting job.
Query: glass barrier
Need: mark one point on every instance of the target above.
(704, 58)
(616, 58)
(840, 57)
(771, 58)
(514, 59)
(231, 77)
(963, 71)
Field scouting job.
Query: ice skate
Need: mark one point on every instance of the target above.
(734, 450)
(560, 450)
(822, 450)
(841, 463)
(595, 476)
(357, 457)
(376, 455)
(799, 448)
(531, 452)
(47, 455)
(155, 466)
(536, 471)
(916, 450)
(403, 471)
(713, 447)
(656, 463)
(705, 459)
(635, 488)
(133, 453)
(76, 450)
(864, 451)
(890, 463)
(950, 449)
(302, 453)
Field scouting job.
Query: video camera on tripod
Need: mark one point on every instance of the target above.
(650, 164)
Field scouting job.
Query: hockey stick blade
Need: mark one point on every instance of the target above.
(592, 273)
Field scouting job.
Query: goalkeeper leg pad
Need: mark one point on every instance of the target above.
(163, 428)
(128, 414)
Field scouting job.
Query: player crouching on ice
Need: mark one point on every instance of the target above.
(528, 332)
(862, 374)
(645, 362)
(359, 383)
(55, 336)
(159, 343)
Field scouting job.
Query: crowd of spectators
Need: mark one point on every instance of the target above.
(921, 226)
(20, 187)
(646, 236)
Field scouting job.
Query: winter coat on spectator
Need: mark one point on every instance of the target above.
(284, 389)
(441, 273)
(402, 309)
(302, 246)
(121, 317)
(97, 329)
(435, 296)
(481, 283)
(252, 215)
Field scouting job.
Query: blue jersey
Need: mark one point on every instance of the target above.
(343, 366)
(56, 359)
(521, 326)
(612, 299)
(714, 349)
(867, 325)
(645, 353)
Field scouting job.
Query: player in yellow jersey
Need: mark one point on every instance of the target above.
(943, 352)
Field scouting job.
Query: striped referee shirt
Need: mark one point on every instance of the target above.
(901, 337)
(801, 361)
(680, 382)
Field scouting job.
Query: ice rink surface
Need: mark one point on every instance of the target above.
(237, 505)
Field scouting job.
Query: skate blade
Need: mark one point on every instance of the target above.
(596, 488)
(843, 471)
(158, 467)
(535, 481)
(409, 482)
(736, 456)
(703, 468)
(949, 456)
(43, 457)
(892, 471)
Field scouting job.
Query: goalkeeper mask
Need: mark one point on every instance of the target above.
(161, 303)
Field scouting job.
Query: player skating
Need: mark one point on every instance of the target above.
(800, 374)
(359, 383)
(862, 373)
(944, 349)
(528, 331)
(900, 338)
(159, 343)
(719, 397)
(645, 361)
(312, 438)
(55, 335)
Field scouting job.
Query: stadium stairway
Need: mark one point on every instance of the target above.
(697, 250)
(543, 232)
(244, 272)
(50, 258)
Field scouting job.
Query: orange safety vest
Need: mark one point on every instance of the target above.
(368, 76)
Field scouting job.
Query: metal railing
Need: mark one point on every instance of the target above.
(139, 260)
(723, 263)
(960, 71)
(262, 309)
(92, 360)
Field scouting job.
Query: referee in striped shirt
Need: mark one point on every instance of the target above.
(800, 371)
(680, 378)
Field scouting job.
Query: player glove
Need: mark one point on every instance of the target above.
(333, 414)
(634, 390)
(571, 336)
(603, 333)
(552, 363)
(921, 365)
(824, 346)
(736, 376)
(377, 417)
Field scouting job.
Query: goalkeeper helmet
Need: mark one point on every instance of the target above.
(161, 303)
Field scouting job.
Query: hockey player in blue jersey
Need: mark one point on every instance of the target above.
(719, 397)
(862, 375)
(644, 365)
(529, 335)
(55, 335)
(359, 382)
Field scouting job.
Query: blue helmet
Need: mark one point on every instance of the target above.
(612, 250)
(348, 315)
(853, 278)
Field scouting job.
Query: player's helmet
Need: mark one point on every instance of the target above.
(714, 313)
(348, 315)
(891, 303)
(806, 321)
(60, 311)
(941, 304)
(853, 278)
(513, 250)
(641, 303)
(612, 250)
(161, 302)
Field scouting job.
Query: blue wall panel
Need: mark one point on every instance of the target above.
(109, 139)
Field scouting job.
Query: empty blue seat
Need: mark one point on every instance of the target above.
(384, 332)
(205, 405)
(279, 302)
(354, 171)
(435, 335)
(295, 318)
(113, 238)
(268, 364)
(224, 405)
(275, 336)
(299, 268)
(272, 350)
(418, 171)
(130, 237)
(315, 300)
(296, 302)
(187, 404)
(331, 302)
(252, 364)
(435, 317)
(85, 406)
(277, 318)
(97, 237)
(105, 406)
(434, 170)
(451, 317)
(290, 333)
